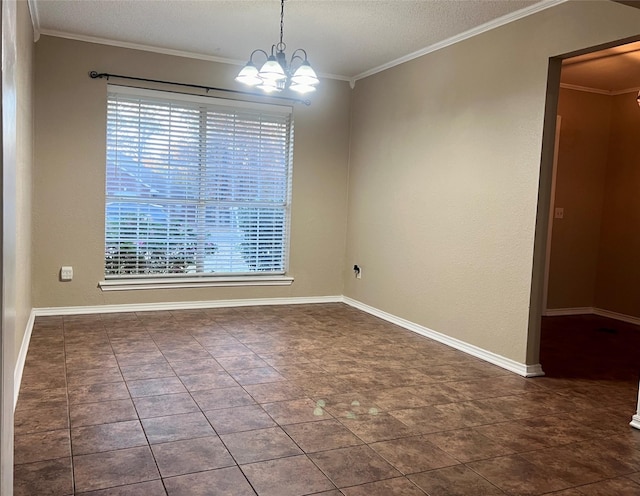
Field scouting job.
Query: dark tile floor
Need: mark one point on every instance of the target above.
(316, 399)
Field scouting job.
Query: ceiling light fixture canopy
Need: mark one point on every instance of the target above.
(276, 74)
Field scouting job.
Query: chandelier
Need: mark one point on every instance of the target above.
(276, 74)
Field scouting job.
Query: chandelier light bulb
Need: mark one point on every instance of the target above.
(272, 70)
(270, 86)
(249, 75)
(305, 75)
(302, 88)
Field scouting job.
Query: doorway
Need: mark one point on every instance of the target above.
(590, 327)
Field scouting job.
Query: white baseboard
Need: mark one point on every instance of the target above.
(22, 357)
(145, 307)
(617, 316)
(560, 312)
(635, 421)
(183, 305)
(488, 356)
(531, 370)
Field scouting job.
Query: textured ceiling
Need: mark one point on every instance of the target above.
(344, 38)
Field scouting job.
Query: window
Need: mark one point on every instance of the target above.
(195, 186)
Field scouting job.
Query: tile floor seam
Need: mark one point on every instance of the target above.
(284, 457)
(568, 484)
(401, 476)
(66, 382)
(485, 479)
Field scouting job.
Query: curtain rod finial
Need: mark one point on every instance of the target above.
(96, 75)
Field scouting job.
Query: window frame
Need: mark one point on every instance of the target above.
(120, 282)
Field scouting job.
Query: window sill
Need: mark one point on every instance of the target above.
(193, 282)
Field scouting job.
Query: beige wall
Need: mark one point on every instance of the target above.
(445, 163)
(68, 205)
(24, 128)
(17, 122)
(581, 173)
(618, 275)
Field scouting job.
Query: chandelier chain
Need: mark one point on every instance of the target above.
(281, 20)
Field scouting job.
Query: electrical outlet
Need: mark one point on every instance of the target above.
(358, 270)
(558, 213)
(66, 273)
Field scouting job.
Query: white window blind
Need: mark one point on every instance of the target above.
(195, 186)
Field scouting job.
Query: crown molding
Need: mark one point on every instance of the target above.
(599, 91)
(584, 89)
(488, 26)
(628, 90)
(483, 28)
(164, 51)
(138, 46)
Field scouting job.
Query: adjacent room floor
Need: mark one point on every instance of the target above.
(316, 399)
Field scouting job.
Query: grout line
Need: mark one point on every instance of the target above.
(66, 387)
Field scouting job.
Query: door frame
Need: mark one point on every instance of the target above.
(8, 161)
(546, 198)
(554, 173)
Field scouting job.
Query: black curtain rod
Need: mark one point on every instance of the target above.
(106, 75)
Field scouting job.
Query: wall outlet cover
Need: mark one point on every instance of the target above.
(66, 273)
